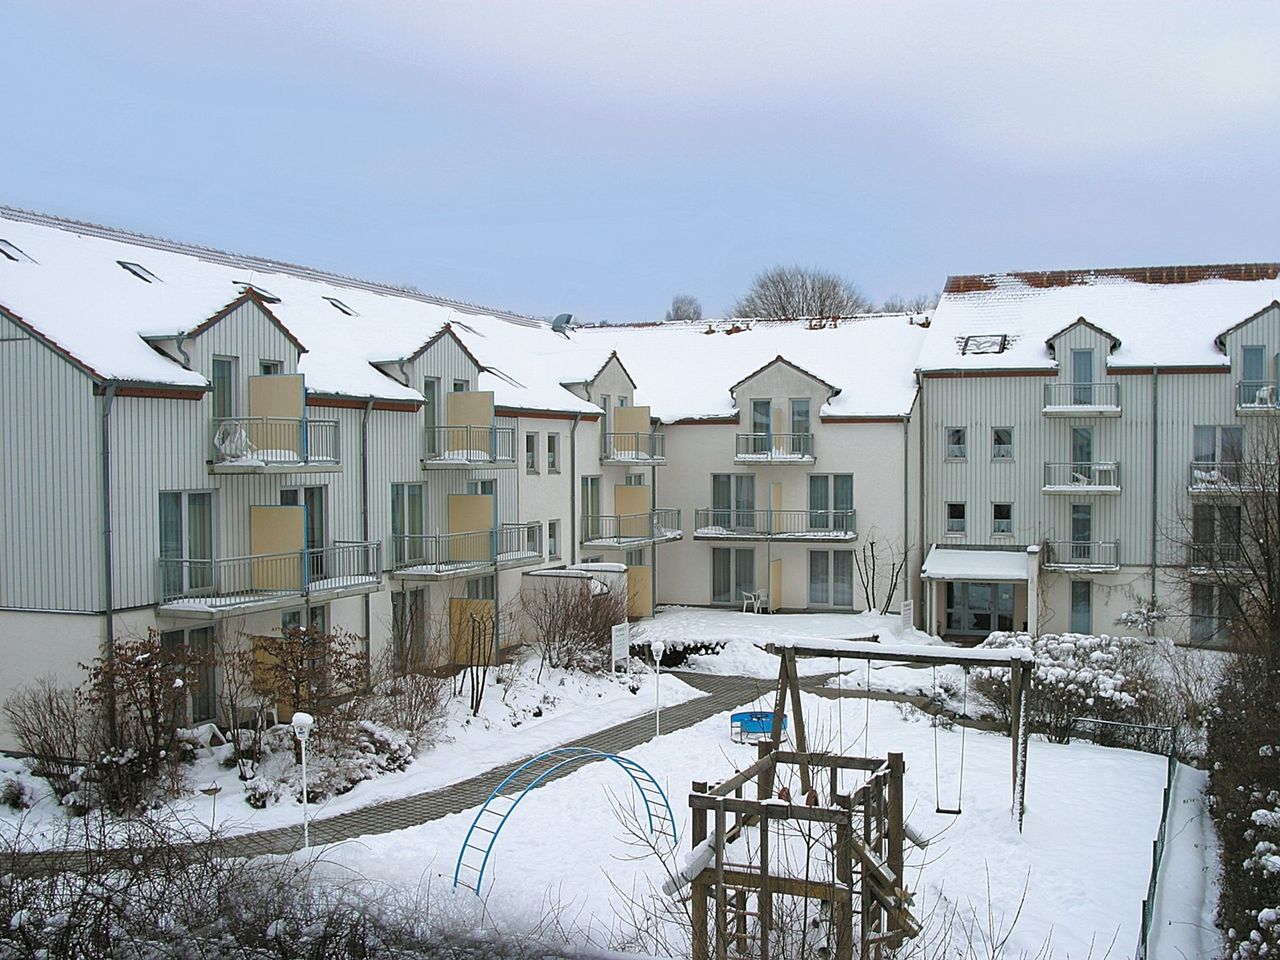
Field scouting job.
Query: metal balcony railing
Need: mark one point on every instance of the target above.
(254, 443)
(729, 524)
(1232, 476)
(634, 447)
(233, 581)
(773, 447)
(1065, 396)
(467, 444)
(1256, 395)
(1214, 556)
(470, 550)
(1096, 476)
(1082, 554)
(631, 530)
(519, 541)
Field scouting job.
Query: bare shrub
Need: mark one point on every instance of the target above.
(47, 720)
(572, 622)
(407, 693)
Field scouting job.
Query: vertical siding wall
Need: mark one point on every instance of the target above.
(50, 517)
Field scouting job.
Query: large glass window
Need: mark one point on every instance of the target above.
(553, 539)
(224, 387)
(1082, 606)
(531, 453)
(819, 577)
(553, 453)
(408, 522)
(409, 627)
(1082, 532)
(800, 425)
(733, 572)
(430, 418)
(202, 695)
(1002, 443)
(1082, 376)
(831, 578)
(761, 425)
(733, 501)
(957, 443)
(591, 523)
(1002, 519)
(186, 541)
(831, 501)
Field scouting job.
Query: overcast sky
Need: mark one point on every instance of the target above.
(601, 157)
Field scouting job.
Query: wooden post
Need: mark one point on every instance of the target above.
(698, 914)
(740, 920)
(764, 779)
(764, 898)
(842, 908)
(779, 702)
(896, 833)
(722, 926)
(797, 717)
(1015, 723)
(1021, 770)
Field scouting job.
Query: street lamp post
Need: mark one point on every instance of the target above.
(657, 648)
(302, 723)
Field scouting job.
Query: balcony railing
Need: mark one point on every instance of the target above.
(1094, 477)
(461, 446)
(1214, 556)
(633, 448)
(263, 444)
(447, 554)
(1077, 399)
(1256, 395)
(1233, 476)
(1082, 555)
(231, 582)
(631, 530)
(719, 524)
(773, 448)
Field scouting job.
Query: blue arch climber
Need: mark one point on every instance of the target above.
(494, 813)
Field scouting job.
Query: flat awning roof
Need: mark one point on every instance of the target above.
(982, 565)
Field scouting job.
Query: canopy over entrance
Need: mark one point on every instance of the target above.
(981, 565)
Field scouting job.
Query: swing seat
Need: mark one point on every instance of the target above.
(950, 811)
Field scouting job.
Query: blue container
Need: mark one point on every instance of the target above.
(747, 724)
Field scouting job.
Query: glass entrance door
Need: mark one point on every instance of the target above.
(976, 609)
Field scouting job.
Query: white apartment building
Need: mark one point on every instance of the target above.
(1071, 423)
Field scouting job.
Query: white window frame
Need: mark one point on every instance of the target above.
(553, 539)
(1001, 527)
(1001, 452)
(553, 452)
(531, 452)
(956, 526)
(957, 443)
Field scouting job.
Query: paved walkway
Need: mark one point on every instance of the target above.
(723, 693)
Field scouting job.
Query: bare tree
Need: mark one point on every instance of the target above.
(880, 566)
(783, 292)
(920, 303)
(571, 623)
(684, 307)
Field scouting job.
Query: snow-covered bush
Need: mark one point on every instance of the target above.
(1072, 675)
(1146, 616)
(15, 794)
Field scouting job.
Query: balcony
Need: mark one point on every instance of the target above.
(805, 526)
(1256, 396)
(1097, 556)
(1204, 558)
(632, 530)
(468, 446)
(1081, 400)
(773, 448)
(274, 445)
(1232, 477)
(210, 589)
(444, 556)
(634, 448)
(1100, 477)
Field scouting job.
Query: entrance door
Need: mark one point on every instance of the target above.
(590, 508)
(977, 609)
(314, 501)
(761, 425)
(1082, 377)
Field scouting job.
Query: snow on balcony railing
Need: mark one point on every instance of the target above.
(1082, 554)
(1256, 395)
(234, 581)
(445, 553)
(468, 444)
(1098, 476)
(634, 447)
(634, 529)
(773, 447)
(1232, 476)
(254, 443)
(1073, 396)
(729, 524)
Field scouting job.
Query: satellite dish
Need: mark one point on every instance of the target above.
(562, 322)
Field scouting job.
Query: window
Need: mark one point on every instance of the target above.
(1082, 606)
(553, 453)
(634, 480)
(733, 573)
(430, 395)
(1082, 446)
(530, 453)
(340, 306)
(266, 295)
(224, 385)
(1215, 534)
(12, 252)
(480, 588)
(202, 696)
(831, 501)
(1082, 532)
(270, 368)
(461, 386)
(733, 501)
(985, 343)
(955, 518)
(1002, 519)
(408, 522)
(486, 488)
(831, 578)
(409, 628)
(553, 539)
(604, 421)
(592, 524)
(1221, 449)
(533, 538)
(290, 620)
(1213, 609)
(139, 271)
(622, 401)
(957, 445)
(1002, 443)
(1082, 377)
(186, 542)
(634, 558)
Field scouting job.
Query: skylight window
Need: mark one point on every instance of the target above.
(340, 306)
(11, 251)
(985, 343)
(139, 271)
(245, 286)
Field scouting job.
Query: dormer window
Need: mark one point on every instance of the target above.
(245, 286)
(139, 271)
(11, 251)
(340, 306)
(984, 343)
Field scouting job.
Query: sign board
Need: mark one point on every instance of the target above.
(908, 614)
(621, 636)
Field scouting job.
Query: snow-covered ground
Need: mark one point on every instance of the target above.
(1075, 876)
(518, 718)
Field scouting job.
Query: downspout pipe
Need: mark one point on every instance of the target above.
(1155, 470)
(108, 573)
(573, 490)
(364, 523)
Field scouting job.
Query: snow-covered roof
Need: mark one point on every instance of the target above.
(944, 563)
(1167, 316)
(685, 370)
